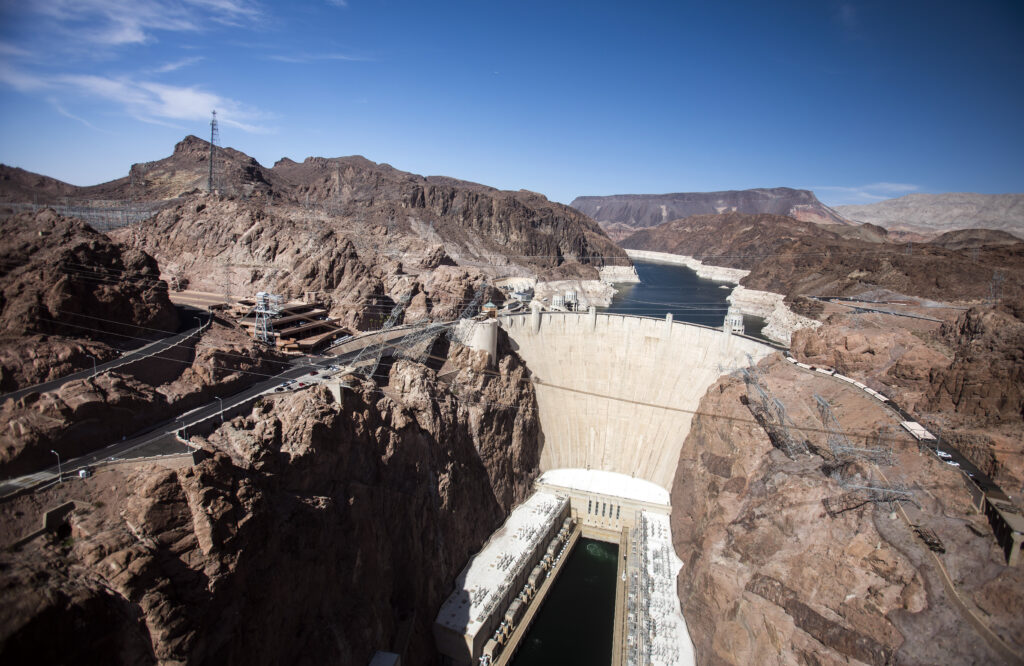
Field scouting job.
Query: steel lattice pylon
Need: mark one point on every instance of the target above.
(840, 445)
(772, 413)
(377, 350)
(267, 307)
(416, 346)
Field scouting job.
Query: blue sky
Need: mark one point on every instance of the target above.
(858, 101)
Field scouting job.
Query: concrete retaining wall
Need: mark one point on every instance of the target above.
(617, 392)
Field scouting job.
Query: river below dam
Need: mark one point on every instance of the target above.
(677, 289)
(575, 624)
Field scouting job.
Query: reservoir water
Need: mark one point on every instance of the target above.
(677, 289)
(574, 626)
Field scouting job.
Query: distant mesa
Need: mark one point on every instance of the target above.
(622, 214)
(932, 214)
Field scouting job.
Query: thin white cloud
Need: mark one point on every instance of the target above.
(303, 58)
(178, 64)
(847, 14)
(21, 81)
(12, 51)
(160, 103)
(64, 112)
(148, 101)
(122, 22)
(338, 3)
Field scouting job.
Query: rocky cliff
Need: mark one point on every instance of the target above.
(475, 224)
(962, 377)
(263, 553)
(87, 414)
(65, 290)
(622, 214)
(771, 577)
(931, 214)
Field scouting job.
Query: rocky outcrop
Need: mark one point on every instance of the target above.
(32, 359)
(966, 239)
(986, 378)
(780, 321)
(87, 414)
(963, 378)
(474, 222)
(318, 532)
(622, 214)
(770, 577)
(66, 292)
(58, 276)
(936, 213)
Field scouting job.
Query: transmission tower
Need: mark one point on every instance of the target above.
(840, 445)
(995, 287)
(771, 414)
(416, 346)
(377, 350)
(214, 141)
(267, 307)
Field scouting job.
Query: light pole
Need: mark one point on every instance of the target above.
(221, 408)
(184, 435)
(60, 470)
(93, 366)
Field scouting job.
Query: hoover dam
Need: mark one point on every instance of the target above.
(616, 395)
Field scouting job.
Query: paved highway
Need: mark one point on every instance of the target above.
(162, 438)
(130, 357)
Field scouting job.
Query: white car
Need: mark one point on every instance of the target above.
(942, 454)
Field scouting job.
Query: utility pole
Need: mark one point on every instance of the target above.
(221, 407)
(93, 366)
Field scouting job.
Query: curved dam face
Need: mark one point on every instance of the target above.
(616, 392)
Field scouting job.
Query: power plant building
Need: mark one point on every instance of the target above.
(495, 579)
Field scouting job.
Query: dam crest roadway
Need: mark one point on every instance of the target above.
(616, 395)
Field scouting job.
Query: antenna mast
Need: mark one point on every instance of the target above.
(214, 138)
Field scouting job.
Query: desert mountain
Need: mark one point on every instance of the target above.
(473, 222)
(793, 257)
(962, 239)
(932, 214)
(360, 233)
(622, 214)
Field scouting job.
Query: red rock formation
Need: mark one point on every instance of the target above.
(317, 533)
(770, 577)
(60, 278)
(790, 257)
(87, 414)
(986, 378)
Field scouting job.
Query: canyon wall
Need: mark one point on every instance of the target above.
(770, 577)
(316, 532)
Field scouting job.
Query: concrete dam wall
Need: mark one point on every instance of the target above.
(617, 392)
